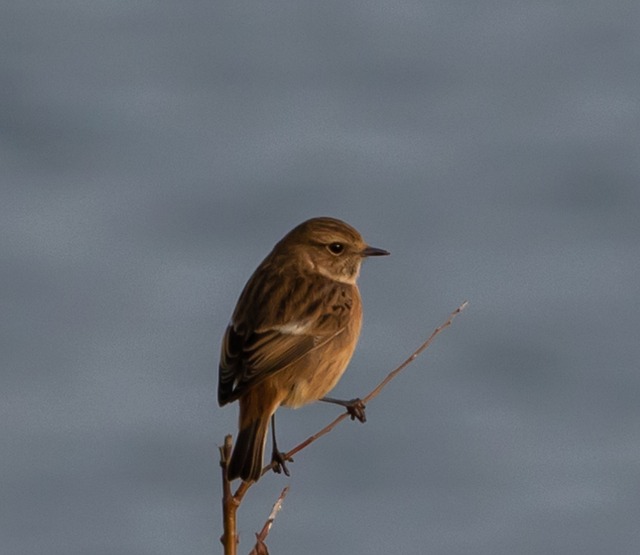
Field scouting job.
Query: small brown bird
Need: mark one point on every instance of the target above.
(292, 334)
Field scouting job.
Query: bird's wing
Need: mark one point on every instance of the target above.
(246, 361)
(248, 355)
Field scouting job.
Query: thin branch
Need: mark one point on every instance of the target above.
(376, 391)
(260, 548)
(231, 502)
(415, 353)
(230, 505)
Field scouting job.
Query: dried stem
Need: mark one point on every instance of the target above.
(376, 391)
(415, 353)
(260, 548)
(230, 506)
(231, 502)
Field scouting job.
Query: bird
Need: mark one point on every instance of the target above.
(292, 335)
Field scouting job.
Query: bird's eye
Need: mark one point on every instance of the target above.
(336, 248)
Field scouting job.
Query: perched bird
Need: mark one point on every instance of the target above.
(292, 334)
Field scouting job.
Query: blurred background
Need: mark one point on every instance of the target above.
(151, 154)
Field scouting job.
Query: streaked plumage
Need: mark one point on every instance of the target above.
(293, 332)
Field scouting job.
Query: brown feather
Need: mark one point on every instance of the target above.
(293, 332)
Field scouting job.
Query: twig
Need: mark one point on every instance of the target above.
(415, 354)
(231, 501)
(260, 548)
(376, 391)
(230, 505)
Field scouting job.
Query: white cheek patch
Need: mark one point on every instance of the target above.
(346, 278)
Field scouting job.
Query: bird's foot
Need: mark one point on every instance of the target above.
(355, 408)
(279, 462)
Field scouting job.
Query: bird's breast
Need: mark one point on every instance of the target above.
(318, 372)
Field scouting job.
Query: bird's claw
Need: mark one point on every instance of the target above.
(279, 462)
(355, 408)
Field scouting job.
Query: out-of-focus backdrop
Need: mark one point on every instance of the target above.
(151, 153)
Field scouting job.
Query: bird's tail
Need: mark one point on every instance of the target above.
(248, 452)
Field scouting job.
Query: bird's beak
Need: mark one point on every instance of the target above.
(372, 251)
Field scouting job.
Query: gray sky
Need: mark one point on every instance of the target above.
(151, 153)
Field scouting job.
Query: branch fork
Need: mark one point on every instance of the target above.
(231, 501)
